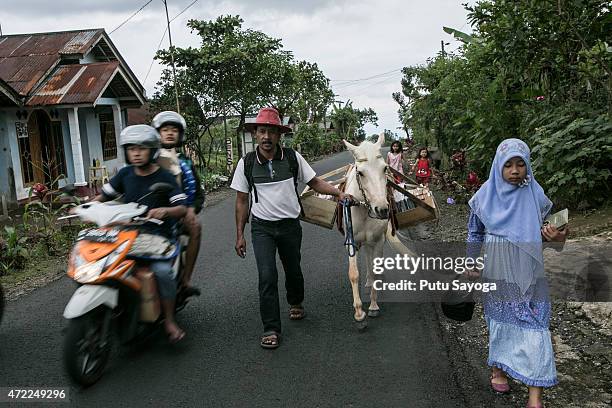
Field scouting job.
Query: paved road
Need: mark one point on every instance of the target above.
(403, 359)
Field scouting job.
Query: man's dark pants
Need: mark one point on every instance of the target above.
(268, 237)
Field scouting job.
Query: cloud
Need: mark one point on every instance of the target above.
(348, 39)
(287, 6)
(39, 8)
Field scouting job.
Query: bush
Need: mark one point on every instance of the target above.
(213, 181)
(13, 252)
(572, 157)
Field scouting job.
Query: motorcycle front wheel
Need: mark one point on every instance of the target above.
(86, 347)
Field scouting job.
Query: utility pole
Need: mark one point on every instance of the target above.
(178, 108)
(442, 44)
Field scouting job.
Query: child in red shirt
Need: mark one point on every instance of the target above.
(422, 166)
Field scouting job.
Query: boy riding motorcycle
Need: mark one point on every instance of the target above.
(171, 127)
(141, 146)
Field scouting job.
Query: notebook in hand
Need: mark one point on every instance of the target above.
(558, 219)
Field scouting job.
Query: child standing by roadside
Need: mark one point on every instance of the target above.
(422, 167)
(395, 159)
(507, 214)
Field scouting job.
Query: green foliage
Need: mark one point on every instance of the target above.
(40, 221)
(573, 155)
(349, 121)
(13, 251)
(313, 140)
(537, 70)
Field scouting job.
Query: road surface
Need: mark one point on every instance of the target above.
(403, 359)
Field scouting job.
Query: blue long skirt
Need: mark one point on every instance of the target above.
(519, 337)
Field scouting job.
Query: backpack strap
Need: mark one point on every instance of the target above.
(249, 162)
(294, 167)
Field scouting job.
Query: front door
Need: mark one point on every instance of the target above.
(43, 152)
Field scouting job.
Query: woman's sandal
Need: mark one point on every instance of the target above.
(499, 388)
(270, 340)
(297, 312)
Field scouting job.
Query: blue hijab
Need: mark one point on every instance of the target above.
(514, 212)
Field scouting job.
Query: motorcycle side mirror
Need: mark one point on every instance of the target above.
(161, 188)
(157, 188)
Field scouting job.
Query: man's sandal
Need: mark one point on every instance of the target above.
(297, 312)
(176, 337)
(270, 340)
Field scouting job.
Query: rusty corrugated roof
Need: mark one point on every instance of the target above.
(70, 84)
(26, 58)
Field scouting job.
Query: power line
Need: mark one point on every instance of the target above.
(162, 39)
(184, 10)
(130, 17)
(365, 79)
(381, 78)
(360, 82)
(153, 60)
(354, 91)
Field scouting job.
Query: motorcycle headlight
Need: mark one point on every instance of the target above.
(89, 271)
(113, 256)
(86, 272)
(76, 259)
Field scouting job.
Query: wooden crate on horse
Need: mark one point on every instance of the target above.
(321, 209)
(423, 206)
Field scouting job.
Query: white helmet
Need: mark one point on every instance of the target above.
(170, 118)
(141, 135)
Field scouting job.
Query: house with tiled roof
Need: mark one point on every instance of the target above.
(63, 102)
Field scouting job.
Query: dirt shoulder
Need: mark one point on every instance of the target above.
(582, 331)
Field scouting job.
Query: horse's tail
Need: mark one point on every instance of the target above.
(396, 244)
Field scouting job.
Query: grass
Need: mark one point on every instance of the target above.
(34, 269)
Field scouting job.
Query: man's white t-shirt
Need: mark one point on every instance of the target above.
(276, 195)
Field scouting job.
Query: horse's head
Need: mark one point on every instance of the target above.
(371, 174)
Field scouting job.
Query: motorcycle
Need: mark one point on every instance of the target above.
(114, 294)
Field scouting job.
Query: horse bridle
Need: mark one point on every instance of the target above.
(366, 202)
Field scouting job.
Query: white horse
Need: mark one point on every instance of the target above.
(366, 181)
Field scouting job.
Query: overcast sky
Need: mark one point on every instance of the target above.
(350, 40)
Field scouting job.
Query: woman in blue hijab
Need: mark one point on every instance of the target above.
(507, 214)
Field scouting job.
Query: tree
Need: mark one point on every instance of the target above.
(235, 71)
(349, 121)
(302, 91)
(230, 66)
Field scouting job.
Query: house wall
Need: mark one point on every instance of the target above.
(91, 140)
(10, 119)
(248, 143)
(7, 183)
(8, 140)
(86, 139)
(115, 165)
(11, 180)
(67, 145)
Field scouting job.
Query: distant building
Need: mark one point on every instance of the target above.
(63, 101)
(249, 141)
